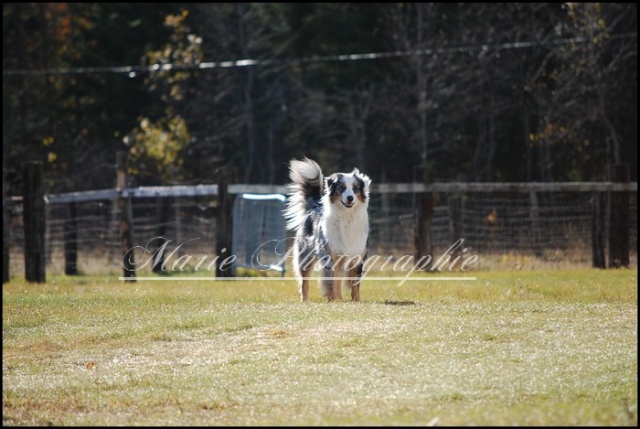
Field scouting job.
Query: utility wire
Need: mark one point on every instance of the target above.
(132, 71)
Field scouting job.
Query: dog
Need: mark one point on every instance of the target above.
(331, 223)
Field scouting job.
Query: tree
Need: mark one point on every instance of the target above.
(73, 121)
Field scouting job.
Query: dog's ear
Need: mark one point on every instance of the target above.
(332, 182)
(363, 179)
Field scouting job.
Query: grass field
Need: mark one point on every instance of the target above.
(552, 347)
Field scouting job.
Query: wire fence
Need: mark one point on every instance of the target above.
(505, 229)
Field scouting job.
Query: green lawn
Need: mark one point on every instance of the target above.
(553, 347)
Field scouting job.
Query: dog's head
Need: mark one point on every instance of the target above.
(348, 189)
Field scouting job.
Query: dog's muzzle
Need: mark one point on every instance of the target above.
(350, 202)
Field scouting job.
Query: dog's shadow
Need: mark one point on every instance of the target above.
(399, 302)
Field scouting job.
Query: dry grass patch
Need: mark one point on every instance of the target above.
(535, 348)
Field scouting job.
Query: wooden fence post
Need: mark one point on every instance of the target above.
(456, 218)
(126, 222)
(385, 204)
(226, 175)
(177, 210)
(535, 223)
(619, 218)
(6, 234)
(423, 215)
(598, 230)
(162, 218)
(34, 223)
(71, 241)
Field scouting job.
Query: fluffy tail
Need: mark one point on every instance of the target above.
(306, 189)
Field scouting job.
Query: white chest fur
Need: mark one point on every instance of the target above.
(346, 231)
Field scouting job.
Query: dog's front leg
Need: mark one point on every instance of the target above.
(328, 284)
(355, 276)
(355, 290)
(338, 278)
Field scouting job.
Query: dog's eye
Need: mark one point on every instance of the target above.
(342, 187)
(356, 189)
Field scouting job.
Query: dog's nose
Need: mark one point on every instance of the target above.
(350, 198)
